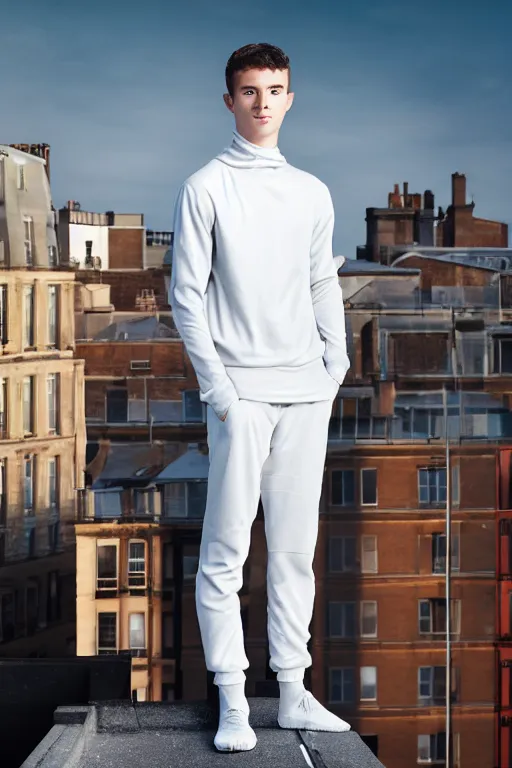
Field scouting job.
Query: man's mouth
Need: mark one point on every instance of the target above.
(262, 117)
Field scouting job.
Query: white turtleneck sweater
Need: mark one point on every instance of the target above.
(254, 287)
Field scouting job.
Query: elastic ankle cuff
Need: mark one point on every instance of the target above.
(291, 675)
(229, 678)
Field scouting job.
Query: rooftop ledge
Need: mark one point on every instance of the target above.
(181, 734)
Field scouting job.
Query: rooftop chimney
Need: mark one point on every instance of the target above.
(458, 190)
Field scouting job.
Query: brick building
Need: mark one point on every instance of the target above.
(410, 220)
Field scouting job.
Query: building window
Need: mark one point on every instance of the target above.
(190, 566)
(439, 552)
(342, 487)
(432, 748)
(369, 554)
(368, 684)
(53, 259)
(107, 633)
(342, 554)
(107, 503)
(369, 487)
(502, 355)
(53, 315)
(431, 684)
(3, 315)
(28, 224)
(432, 485)
(342, 685)
(29, 484)
(88, 251)
(136, 564)
(7, 617)
(185, 500)
(52, 391)
(4, 409)
(369, 618)
(144, 503)
(137, 631)
(21, 177)
(432, 616)
(28, 405)
(28, 316)
(53, 483)
(117, 405)
(193, 408)
(107, 566)
(342, 620)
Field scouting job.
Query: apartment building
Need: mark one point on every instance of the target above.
(42, 426)
(441, 323)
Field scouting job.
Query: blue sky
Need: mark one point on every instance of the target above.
(129, 96)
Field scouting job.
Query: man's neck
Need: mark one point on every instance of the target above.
(267, 142)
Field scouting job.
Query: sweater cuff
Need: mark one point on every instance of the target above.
(338, 370)
(220, 398)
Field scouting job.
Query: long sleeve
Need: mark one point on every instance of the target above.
(194, 217)
(326, 291)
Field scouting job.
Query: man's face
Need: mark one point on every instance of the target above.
(260, 93)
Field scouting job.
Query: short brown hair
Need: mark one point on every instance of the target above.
(256, 56)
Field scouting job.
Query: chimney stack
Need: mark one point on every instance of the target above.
(458, 190)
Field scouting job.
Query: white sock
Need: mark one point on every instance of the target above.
(233, 697)
(290, 694)
(234, 733)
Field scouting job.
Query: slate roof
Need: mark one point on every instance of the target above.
(175, 735)
(192, 465)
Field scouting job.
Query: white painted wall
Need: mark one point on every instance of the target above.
(79, 234)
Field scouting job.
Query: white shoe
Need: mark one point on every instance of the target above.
(307, 714)
(235, 734)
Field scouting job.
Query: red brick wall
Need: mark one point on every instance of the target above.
(126, 286)
(435, 272)
(125, 248)
(167, 358)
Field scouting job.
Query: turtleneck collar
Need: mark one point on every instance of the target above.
(244, 154)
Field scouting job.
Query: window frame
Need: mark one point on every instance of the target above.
(367, 698)
(343, 670)
(343, 554)
(131, 630)
(107, 650)
(438, 503)
(101, 543)
(364, 603)
(137, 574)
(361, 487)
(375, 552)
(344, 503)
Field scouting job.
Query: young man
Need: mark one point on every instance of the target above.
(256, 299)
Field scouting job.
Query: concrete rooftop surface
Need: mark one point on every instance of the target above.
(179, 734)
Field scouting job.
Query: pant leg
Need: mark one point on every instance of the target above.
(238, 448)
(290, 490)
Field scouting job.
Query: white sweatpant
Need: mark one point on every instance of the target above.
(278, 451)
